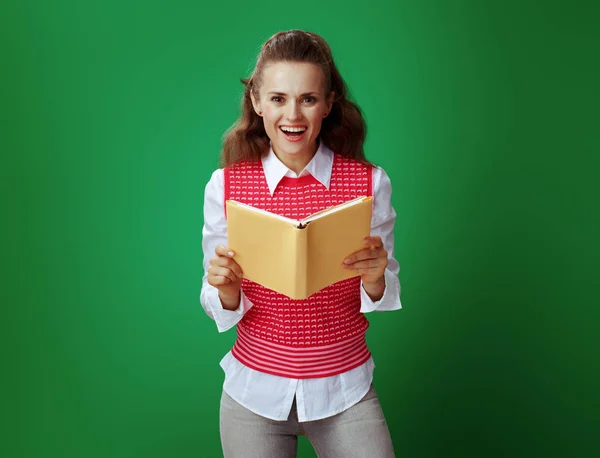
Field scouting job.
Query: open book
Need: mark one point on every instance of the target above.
(297, 258)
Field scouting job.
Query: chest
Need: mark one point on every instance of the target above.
(298, 198)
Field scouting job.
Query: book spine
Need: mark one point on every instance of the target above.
(301, 256)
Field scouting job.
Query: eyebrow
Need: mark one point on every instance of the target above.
(301, 95)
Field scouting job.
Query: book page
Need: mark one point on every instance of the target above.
(266, 213)
(331, 239)
(266, 248)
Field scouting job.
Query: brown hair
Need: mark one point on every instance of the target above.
(343, 130)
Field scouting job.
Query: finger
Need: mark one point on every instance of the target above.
(222, 250)
(223, 272)
(218, 280)
(374, 241)
(230, 264)
(226, 279)
(368, 264)
(374, 272)
(364, 254)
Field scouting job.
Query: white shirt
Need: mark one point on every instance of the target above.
(271, 396)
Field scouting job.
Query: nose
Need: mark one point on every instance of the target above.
(293, 111)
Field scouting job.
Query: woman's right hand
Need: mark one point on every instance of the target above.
(226, 275)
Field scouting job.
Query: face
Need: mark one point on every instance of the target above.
(293, 103)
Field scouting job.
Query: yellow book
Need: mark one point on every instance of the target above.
(297, 258)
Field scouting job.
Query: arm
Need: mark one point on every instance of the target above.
(214, 233)
(383, 295)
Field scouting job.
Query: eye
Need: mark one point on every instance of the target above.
(309, 99)
(276, 98)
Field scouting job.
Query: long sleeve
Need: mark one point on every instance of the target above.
(382, 225)
(214, 232)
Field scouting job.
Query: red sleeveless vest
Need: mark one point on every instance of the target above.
(322, 335)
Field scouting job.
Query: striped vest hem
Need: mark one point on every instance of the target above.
(300, 362)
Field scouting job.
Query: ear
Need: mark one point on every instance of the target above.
(255, 104)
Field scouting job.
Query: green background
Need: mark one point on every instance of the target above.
(485, 116)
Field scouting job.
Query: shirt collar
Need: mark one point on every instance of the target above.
(319, 167)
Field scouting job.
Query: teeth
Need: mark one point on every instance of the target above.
(293, 129)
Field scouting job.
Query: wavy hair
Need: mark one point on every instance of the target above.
(343, 130)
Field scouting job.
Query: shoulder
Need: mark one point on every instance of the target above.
(216, 177)
(380, 173)
(381, 180)
(382, 196)
(215, 184)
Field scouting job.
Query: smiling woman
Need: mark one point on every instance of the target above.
(299, 366)
(293, 102)
(295, 83)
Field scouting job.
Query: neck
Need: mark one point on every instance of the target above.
(297, 162)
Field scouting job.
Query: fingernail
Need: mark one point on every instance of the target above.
(230, 253)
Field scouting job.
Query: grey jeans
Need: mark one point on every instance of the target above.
(360, 431)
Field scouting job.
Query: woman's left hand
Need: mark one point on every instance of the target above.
(370, 262)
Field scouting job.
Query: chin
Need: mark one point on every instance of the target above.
(294, 148)
(295, 151)
(286, 151)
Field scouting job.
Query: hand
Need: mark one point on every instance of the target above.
(226, 275)
(369, 262)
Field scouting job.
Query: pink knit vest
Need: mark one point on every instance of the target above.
(324, 334)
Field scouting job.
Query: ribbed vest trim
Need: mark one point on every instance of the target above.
(300, 362)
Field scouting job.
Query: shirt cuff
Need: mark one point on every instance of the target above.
(390, 299)
(225, 319)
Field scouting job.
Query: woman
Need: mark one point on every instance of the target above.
(299, 366)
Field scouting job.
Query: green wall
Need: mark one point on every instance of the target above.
(482, 114)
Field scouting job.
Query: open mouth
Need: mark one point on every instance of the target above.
(293, 134)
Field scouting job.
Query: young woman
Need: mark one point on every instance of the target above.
(299, 366)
